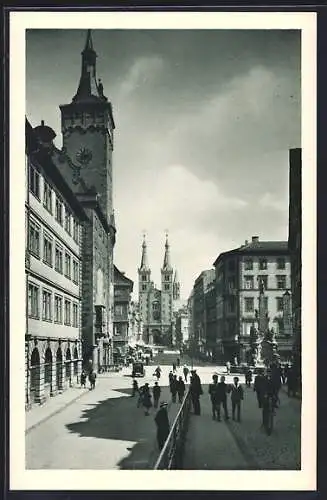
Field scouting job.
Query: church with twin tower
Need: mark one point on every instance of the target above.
(157, 306)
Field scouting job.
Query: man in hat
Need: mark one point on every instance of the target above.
(162, 422)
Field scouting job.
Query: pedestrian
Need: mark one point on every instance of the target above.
(92, 378)
(196, 391)
(135, 388)
(140, 398)
(178, 362)
(156, 391)
(248, 377)
(83, 379)
(171, 376)
(174, 367)
(174, 388)
(291, 383)
(222, 390)
(180, 389)
(162, 423)
(259, 387)
(276, 381)
(146, 399)
(214, 396)
(185, 372)
(236, 397)
(228, 367)
(158, 372)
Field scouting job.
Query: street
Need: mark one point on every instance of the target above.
(245, 445)
(103, 429)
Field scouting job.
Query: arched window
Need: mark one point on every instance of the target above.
(47, 366)
(68, 360)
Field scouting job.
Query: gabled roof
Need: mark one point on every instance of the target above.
(119, 277)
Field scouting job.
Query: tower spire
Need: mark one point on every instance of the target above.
(166, 263)
(144, 259)
(88, 88)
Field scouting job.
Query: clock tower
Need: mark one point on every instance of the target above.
(87, 126)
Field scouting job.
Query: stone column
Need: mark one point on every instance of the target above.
(53, 383)
(27, 377)
(39, 393)
(79, 371)
(73, 380)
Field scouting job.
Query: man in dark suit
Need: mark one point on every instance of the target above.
(237, 395)
(222, 391)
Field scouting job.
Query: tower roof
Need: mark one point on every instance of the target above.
(89, 89)
(166, 264)
(176, 278)
(144, 259)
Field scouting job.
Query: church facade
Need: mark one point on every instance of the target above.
(157, 306)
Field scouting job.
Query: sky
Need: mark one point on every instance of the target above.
(204, 123)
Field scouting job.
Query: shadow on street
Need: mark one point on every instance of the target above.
(120, 419)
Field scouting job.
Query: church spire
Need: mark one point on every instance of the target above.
(89, 89)
(144, 260)
(166, 263)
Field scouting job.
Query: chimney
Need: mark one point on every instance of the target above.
(255, 239)
(246, 242)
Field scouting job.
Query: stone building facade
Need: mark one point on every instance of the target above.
(202, 293)
(85, 161)
(238, 275)
(53, 267)
(295, 247)
(157, 306)
(123, 287)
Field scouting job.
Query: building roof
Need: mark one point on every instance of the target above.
(41, 157)
(257, 247)
(121, 279)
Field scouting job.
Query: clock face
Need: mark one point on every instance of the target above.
(84, 156)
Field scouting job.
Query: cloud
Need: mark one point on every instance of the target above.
(178, 201)
(143, 71)
(181, 199)
(272, 202)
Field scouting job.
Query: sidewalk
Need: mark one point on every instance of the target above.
(40, 413)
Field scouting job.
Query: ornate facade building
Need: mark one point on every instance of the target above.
(123, 288)
(157, 306)
(53, 267)
(239, 273)
(295, 246)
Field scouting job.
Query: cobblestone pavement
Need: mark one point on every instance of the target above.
(232, 445)
(103, 429)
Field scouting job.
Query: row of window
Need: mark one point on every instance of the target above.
(54, 307)
(280, 280)
(62, 213)
(166, 287)
(63, 261)
(263, 264)
(249, 304)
